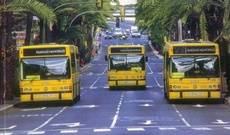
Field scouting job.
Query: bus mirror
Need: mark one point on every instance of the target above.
(146, 59)
(106, 58)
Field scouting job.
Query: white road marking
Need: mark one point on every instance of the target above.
(68, 131)
(148, 122)
(139, 101)
(35, 115)
(103, 71)
(199, 106)
(102, 130)
(89, 74)
(106, 87)
(51, 118)
(181, 116)
(221, 122)
(160, 73)
(135, 129)
(117, 111)
(36, 133)
(11, 127)
(167, 128)
(85, 106)
(92, 86)
(33, 109)
(6, 133)
(6, 107)
(202, 128)
(146, 105)
(151, 72)
(71, 125)
(228, 128)
(158, 84)
(149, 86)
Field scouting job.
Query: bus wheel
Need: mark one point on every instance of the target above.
(78, 97)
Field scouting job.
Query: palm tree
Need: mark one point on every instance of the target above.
(6, 11)
(204, 18)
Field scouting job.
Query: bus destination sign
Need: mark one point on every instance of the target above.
(193, 49)
(44, 51)
(126, 50)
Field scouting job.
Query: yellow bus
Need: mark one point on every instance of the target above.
(126, 66)
(192, 70)
(49, 72)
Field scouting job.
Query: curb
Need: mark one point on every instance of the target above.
(6, 107)
(156, 53)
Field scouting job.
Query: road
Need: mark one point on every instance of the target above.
(119, 112)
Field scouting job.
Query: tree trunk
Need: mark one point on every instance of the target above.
(29, 23)
(42, 34)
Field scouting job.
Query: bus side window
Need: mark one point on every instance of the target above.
(73, 65)
(77, 61)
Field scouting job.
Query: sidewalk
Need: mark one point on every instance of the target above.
(156, 53)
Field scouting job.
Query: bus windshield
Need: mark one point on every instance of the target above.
(45, 68)
(127, 62)
(194, 66)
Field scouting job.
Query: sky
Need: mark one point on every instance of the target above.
(127, 2)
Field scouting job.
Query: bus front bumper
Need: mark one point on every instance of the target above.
(51, 96)
(194, 95)
(121, 83)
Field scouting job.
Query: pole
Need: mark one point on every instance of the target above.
(180, 37)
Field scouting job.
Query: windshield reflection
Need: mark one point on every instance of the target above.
(194, 66)
(45, 68)
(127, 62)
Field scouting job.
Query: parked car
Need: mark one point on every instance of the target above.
(135, 34)
(108, 35)
(117, 33)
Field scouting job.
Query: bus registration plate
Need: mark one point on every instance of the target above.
(195, 94)
(45, 96)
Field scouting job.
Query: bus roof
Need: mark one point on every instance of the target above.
(46, 46)
(190, 43)
(126, 45)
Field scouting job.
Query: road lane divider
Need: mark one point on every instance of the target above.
(92, 86)
(47, 121)
(115, 118)
(181, 116)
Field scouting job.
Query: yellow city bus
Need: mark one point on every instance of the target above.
(126, 66)
(192, 70)
(49, 72)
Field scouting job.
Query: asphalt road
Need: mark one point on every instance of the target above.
(119, 112)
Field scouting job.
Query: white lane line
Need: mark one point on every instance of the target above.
(228, 128)
(181, 116)
(102, 130)
(36, 133)
(149, 86)
(167, 128)
(51, 118)
(135, 129)
(106, 87)
(151, 72)
(115, 118)
(202, 128)
(103, 71)
(92, 86)
(158, 84)
(6, 133)
(33, 109)
(68, 131)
